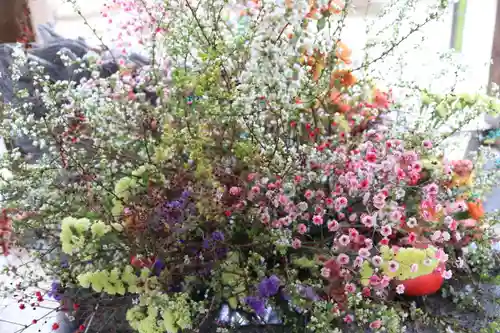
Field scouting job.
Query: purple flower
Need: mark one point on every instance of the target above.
(55, 291)
(269, 286)
(218, 236)
(257, 304)
(158, 266)
(308, 292)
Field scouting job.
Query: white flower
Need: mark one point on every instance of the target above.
(412, 222)
(325, 272)
(400, 289)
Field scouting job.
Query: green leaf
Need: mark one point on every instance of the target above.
(233, 302)
(321, 23)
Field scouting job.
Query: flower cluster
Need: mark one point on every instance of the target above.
(249, 165)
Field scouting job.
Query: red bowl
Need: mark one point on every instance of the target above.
(423, 285)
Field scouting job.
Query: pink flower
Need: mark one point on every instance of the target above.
(333, 226)
(374, 280)
(376, 324)
(412, 237)
(350, 288)
(384, 241)
(344, 240)
(367, 221)
(235, 190)
(427, 144)
(377, 260)
(301, 228)
(364, 252)
(348, 319)
(400, 289)
(379, 200)
(329, 202)
(358, 262)
(395, 216)
(343, 259)
(371, 157)
(386, 230)
(447, 274)
(296, 243)
(353, 233)
(318, 220)
(366, 292)
(436, 236)
(384, 282)
(308, 194)
(368, 243)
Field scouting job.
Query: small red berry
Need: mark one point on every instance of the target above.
(81, 328)
(55, 326)
(22, 306)
(34, 321)
(40, 299)
(76, 306)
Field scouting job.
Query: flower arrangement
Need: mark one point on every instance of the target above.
(256, 171)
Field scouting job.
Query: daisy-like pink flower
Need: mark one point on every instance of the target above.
(400, 289)
(376, 324)
(296, 243)
(344, 240)
(343, 259)
(350, 288)
(317, 220)
(386, 230)
(301, 228)
(377, 260)
(333, 226)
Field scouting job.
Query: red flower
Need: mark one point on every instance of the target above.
(371, 157)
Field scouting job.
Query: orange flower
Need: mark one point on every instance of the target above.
(476, 209)
(343, 53)
(343, 77)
